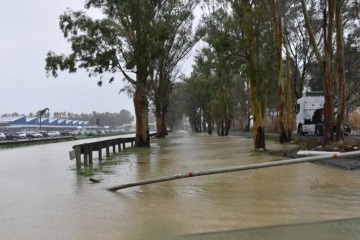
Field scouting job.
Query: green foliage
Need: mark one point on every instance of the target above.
(352, 66)
(147, 38)
(174, 117)
(123, 40)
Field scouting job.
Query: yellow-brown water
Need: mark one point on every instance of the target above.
(42, 198)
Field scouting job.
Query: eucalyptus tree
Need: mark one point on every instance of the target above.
(279, 11)
(306, 74)
(192, 104)
(299, 48)
(324, 61)
(221, 40)
(174, 40)
(124, 40)
(290, 103)
(241, 105)
(205, 81)
(252, 23)
(352, 69)
(176, 109)
(338, 15)
(277, 26)
(341, 71)
(346, 21)
(199, 92)
(310, 69)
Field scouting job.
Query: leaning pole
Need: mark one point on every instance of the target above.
(235, 169)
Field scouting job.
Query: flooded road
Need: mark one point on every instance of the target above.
(43, 198)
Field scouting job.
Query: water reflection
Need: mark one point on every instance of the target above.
(48, 200)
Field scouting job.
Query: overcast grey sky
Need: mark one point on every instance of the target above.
(28, 30)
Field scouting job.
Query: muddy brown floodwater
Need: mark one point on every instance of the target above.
(43, 198)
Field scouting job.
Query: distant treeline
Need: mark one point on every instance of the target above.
(95, 118)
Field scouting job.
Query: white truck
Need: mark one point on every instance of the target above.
(305, 108)
(310, 115)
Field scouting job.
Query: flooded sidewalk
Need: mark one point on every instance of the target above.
(43, 198)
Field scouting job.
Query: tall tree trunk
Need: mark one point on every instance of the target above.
(248, 12)
(341, 73)
(289, 104)
(222, 127)
(258, 128)
(328, 80)
(158, 98)
(277, 28)
(204, 120)
(325, 65)
(161, 104)
(160, 125)
(209, 121)
(227, 127)
(195, 121)
(142, 137)
(164, 126)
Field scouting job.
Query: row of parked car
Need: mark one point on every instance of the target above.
(34, 134)
(44, 134)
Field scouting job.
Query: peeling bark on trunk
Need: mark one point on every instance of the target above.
(247, 13)
(258, 128)
(142, 137)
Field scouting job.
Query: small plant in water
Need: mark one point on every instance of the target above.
(87, 172)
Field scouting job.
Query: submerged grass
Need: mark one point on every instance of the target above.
(91, 171)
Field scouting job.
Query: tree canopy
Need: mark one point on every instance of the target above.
(130, 38)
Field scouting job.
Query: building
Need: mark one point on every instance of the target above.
(22, 123)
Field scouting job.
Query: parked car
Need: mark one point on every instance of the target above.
(91, 133)
(2, 136)
(76, 132)
(54, 134)
(22, 135)
(43, 133)
(66, 133)
(12, 136)
(33, 135)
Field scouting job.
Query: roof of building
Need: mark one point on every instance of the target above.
(31, 121)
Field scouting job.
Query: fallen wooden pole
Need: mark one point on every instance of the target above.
(234, 169)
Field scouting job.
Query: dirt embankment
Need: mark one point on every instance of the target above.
(315, 144)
